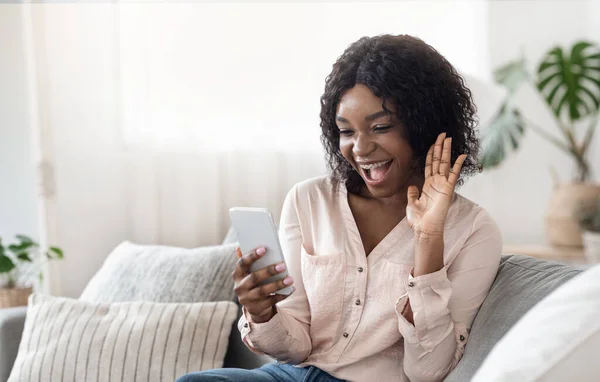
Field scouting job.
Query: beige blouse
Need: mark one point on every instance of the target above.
(345, 316)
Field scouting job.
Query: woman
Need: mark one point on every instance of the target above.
(389, 265)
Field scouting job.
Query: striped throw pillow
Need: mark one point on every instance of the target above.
(70, 340)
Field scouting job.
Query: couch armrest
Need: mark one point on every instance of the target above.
(12, 321)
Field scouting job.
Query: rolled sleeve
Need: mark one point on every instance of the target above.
(429, 296)
(279, 337)
(254, 333)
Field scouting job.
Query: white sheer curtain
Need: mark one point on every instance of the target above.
(155, 118)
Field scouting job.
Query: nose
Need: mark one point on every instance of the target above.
(363, 146)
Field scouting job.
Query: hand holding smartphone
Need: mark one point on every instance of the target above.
(256, 228)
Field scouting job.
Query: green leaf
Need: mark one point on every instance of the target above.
(502, 136)
(6, 264)
(58, 252)
(570, 82)
(24, 257)
(512, 75)
(24, 239)
(19, 248)
(506, 129)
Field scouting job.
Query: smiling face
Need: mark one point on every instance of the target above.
(373, 142)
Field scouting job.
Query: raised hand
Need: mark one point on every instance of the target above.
(426, 213)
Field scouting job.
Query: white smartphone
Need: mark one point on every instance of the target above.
(255, 228)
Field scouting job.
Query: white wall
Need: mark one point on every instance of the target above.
(518, 192)
(18, 203)
(594, 19)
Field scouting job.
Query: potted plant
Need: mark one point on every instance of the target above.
(589, 220)
(569, 83)
(20, 268)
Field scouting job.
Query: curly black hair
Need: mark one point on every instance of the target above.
(428, 95)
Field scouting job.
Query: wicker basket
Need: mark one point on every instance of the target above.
(11, 297)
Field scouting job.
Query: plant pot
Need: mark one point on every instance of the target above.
(11, 297)
(591, 243)
(562, 228)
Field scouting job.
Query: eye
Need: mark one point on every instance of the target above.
(346, 132)
(382, 129)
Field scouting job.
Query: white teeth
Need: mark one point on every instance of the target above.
(374, 165)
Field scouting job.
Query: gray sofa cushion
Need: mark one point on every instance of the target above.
(522, 282)
(12, 321)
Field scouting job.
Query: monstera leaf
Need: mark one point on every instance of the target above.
(571, 82)
(507, 127)
(512, 75)
(502, 136)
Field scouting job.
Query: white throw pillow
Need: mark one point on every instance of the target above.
(557, 340)
(71, 340)
(164, 274)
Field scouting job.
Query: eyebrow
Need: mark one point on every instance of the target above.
(368, 118)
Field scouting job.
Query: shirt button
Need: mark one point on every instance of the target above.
(360, 269)
(345, 335)
(246, 325)
(357, 302)
(462, 338)
(411, 284)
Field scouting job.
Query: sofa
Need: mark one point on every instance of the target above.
(521, 283)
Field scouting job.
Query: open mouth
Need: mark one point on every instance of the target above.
(375, 172)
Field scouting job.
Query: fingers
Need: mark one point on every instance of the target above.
(249, 286)
(439, 158)
(256, 278)
(455, 172)
(260, 298)
(446, 154)
(437, 153)
(428, 162)
(263, 291)
(413, 194)
(257, 298)
(265, 305)
(238, 252)
(242, 267)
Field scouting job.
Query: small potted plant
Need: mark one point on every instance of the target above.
(21, 268)
(589, 220)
